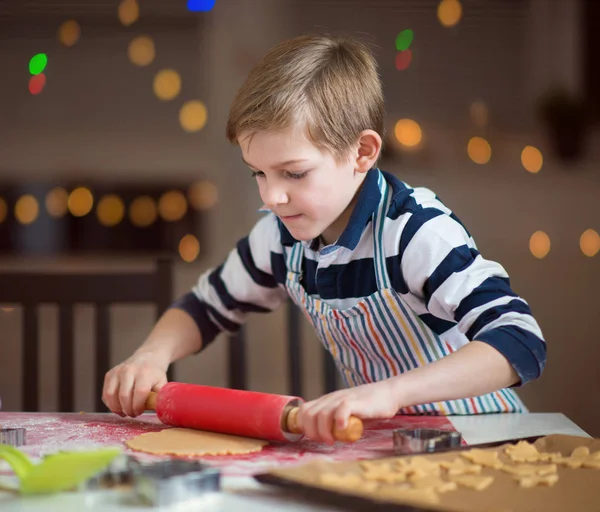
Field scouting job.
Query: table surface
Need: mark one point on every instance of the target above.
(47, 433)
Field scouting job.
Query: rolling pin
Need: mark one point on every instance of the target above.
(231, 411)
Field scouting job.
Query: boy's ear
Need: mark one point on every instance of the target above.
(369, 147)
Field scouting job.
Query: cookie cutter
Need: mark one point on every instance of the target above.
(173, 481)
(12, 436)
(425, 440)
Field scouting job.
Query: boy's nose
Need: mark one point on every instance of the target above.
(274, 195)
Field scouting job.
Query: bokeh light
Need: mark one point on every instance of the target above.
(192, 116)
(3, 210)
(189, 248)
(167, 84)
(408, 133)
(479, 113)
(128, 12)
(143, 211)
(38, 63)
(68, 33)
(589, 242)
(200, 5)
(80, 202)
(27, 209)
(531, 158)
(172, 206)
(403, 60)
(110, 210)
(404, 40)
(479, 150)
(539, 244)
(449, 12)
(7, 309)
(37, 83)
(203, 195)
(56, 202)
(141, 51)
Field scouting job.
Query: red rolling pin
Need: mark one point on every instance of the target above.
(231, 411)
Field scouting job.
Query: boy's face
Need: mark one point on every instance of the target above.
(307, 188)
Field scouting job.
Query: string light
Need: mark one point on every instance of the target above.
(589, 243)
(110, 210)
(532, 159)
(479, 113)
(449, 12)
(27, 209)
(3, 210)
(192, 116)
(539, 244)
(128, 12)
(479, 150)
(37, 84)
(56, 202)
(172, 206)
(408, 133)
(203, 195)
(143, 211)
(189, 248)
(141, 51)
(167, 84)
(200, 5)
(403, 60)
(38, 63)
(80, 202)
(68, 33)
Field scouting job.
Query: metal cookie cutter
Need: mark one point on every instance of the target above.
(425, 440)
(168, 482)
(12, 436)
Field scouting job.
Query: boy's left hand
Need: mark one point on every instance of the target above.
(369, 401)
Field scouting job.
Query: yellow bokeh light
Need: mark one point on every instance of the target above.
(141, 51)
(532, 159)
(129, 12)
(80, 202)
(56, 202)
(408, 133)
(172, 206)
(203, 195)
(27, 209)
(539, 244)
(449, 12)
(110, 210)
(479, 150)
(3, 210)
(479, 113)
(167, 84)
(192, 116)
(143, 211)
(589, 242)
(68, 33)
(189, 248)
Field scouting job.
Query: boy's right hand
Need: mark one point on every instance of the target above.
(127, 385)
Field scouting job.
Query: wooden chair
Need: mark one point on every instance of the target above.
(67, 289)
(237, 358)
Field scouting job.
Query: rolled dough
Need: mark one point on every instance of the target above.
(188, 442)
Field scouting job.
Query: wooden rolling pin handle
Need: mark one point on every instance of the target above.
(151, 401)
(352, 432)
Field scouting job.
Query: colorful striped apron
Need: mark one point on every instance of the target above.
(381, 336)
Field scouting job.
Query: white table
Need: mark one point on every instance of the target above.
(246, 495)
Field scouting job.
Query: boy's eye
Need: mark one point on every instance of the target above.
(296, 175)
(257, 174)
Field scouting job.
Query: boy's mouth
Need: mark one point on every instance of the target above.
(290, 217)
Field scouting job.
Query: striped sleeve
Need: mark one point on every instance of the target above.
(244, 283)
(442, 266)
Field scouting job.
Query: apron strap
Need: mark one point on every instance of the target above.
(381, 273)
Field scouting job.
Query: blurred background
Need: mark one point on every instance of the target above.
(113, 152)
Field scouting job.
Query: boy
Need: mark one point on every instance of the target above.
(416, 319)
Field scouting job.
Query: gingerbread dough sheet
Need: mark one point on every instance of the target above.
(190, 442)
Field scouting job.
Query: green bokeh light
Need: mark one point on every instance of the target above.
(404, 39)
(37, 64)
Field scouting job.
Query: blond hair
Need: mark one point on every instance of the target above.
(330, 84)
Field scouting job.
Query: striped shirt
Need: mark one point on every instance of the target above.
(431, 259)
